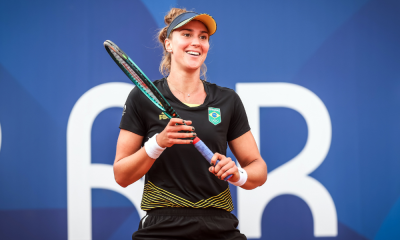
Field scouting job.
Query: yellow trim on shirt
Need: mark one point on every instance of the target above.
(192, 104)
(156, 197)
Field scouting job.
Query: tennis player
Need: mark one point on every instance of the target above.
(185, 197)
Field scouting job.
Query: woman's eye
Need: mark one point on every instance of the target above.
(203, 37)
(186, 34)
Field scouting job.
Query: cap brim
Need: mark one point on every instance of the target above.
(208, 21)
(205, 19)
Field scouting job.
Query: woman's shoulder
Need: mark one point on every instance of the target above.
(158, 81)
(220, 91)
(219, 88)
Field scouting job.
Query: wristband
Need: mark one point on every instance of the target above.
(242, 179)
(152, 148)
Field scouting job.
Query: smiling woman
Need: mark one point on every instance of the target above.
(164, 34)
(185, 197)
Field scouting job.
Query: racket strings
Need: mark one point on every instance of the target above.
(136, 77)
(152, 93)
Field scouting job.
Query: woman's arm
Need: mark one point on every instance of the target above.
(246, 152)
(132, 162)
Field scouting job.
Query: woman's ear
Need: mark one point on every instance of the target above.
(168, 46)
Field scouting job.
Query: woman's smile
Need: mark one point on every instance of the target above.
(193, 53)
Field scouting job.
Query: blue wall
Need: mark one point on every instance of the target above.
(345, 52)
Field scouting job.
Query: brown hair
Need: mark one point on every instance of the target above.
(165, 65)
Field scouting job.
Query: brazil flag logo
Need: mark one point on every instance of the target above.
(214, 115)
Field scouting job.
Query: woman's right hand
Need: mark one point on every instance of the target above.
(171, 135)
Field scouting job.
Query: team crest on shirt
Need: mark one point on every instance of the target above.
(214, 115)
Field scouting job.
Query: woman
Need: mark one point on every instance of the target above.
(184, 197)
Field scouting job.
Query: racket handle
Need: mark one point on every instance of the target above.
(206, 152)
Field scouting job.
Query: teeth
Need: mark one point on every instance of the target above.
(193, 53)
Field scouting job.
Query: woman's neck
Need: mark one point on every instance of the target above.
(185, 81)
(187, 86)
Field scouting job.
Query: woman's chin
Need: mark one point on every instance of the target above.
(192, 67)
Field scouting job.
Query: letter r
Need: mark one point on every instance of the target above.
(82, 175)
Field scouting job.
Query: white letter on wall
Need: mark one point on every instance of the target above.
(82, 175)
(292, 177)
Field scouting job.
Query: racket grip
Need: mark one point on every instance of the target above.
(206, 152)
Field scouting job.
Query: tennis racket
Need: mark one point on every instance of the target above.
(147, 87)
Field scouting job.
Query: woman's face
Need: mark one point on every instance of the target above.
(189, 45)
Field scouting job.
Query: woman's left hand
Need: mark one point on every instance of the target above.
(225, 167)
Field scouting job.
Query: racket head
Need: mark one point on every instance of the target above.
(137, 76)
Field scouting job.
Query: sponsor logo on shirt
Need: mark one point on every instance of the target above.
(214, 115)
(162, 116)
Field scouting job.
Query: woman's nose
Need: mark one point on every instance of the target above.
(195, 42)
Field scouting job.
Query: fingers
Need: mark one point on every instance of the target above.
(177, 124)
(178, 121)
(178, 128)
(216, 157)
(225, 167)
(229, 169)
(179, 141)
(175, 131)
(181, 135)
